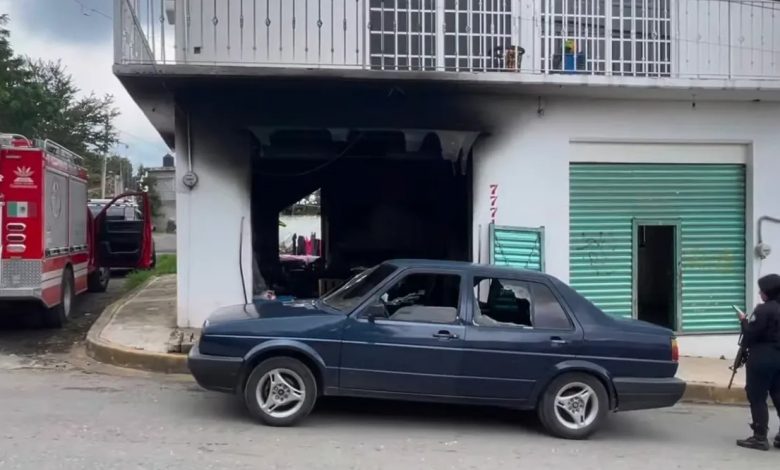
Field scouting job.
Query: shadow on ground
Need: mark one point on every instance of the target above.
(335, 413)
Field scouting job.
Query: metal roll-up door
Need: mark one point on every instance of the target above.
(708, 203)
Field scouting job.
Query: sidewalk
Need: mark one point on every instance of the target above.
(139, 331)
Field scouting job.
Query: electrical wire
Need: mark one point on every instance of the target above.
(85, 10)
(319, 167)
(240, 259)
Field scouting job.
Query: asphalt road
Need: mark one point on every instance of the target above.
(165, 243)
(59, 410)
(67, 418)
(21, 333)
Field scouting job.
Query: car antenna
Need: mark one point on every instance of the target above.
(240, 259)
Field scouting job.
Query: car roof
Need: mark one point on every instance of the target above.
(466, 266)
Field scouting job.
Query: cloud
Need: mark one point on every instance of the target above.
(69, 21)
(59, 31)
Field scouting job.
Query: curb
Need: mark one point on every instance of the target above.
(707, 393)
(115, 354)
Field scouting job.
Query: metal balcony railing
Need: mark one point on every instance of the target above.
(704, 39)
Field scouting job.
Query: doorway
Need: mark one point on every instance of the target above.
(656, 279)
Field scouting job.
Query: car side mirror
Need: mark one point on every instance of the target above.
(374, 311)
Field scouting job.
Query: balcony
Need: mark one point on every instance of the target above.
(684, 44)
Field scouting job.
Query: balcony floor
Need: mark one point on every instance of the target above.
(590, 86)
(154, 87)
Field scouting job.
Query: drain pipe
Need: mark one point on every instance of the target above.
(763, 250)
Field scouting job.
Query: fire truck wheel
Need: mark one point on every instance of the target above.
(97, 281)
(57, 316)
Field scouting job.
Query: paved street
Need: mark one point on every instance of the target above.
(61, 411)
(72, 419)
(22, 336)
(165, 243)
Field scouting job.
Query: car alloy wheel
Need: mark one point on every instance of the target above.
(573, 406)
(281, 393)
(576, 406)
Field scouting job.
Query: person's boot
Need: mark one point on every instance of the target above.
(758, 441)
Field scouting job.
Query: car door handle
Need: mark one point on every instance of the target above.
(558, 340)
(444, 334)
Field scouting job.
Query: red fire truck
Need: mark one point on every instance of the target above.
(52, 248)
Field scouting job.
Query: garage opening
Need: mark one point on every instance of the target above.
(376, 200)
(656, 274)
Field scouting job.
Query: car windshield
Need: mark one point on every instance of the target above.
(348, 296)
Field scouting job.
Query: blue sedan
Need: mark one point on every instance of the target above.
(444, 332)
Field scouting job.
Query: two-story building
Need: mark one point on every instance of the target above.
(628, 147)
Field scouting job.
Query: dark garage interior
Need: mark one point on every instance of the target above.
(381, 199)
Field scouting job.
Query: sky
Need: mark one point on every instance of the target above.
(80, 34)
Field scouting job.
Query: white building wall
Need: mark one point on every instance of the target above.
(209, 220)
(529, 161)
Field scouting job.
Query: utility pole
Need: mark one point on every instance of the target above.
(103, 178)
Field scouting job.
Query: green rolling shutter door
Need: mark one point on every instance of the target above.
(709, 203)
(517, 247)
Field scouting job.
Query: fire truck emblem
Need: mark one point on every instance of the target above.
(23, 176)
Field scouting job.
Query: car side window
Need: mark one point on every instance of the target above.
(548, 312)
(422, 298)
(512, 303)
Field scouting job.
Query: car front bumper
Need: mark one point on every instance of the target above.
(215, 373)
(645, 394)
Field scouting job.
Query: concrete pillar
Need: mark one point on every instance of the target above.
(209, 219)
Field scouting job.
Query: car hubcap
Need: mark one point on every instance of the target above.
(576, 406)
(281, 393)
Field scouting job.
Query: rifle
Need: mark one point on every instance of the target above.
(742, 354)
(739, 361)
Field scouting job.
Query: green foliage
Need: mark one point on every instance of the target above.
(166, 264)
(39, 100)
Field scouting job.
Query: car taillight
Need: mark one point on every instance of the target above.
(675, 350)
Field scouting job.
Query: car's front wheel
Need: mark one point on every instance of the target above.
(280, 391)
(573, 406)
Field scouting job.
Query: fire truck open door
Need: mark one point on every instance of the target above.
(124, 242)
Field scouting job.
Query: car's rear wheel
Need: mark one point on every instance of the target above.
(573, 406)
(280, 391)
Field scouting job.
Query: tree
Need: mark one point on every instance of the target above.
(12, 74)
(38, 99)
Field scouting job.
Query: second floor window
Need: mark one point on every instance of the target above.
(470, 35)
(616, 37)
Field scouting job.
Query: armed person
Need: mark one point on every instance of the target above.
(761, 337)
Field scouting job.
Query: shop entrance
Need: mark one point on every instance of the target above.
(656, 278)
